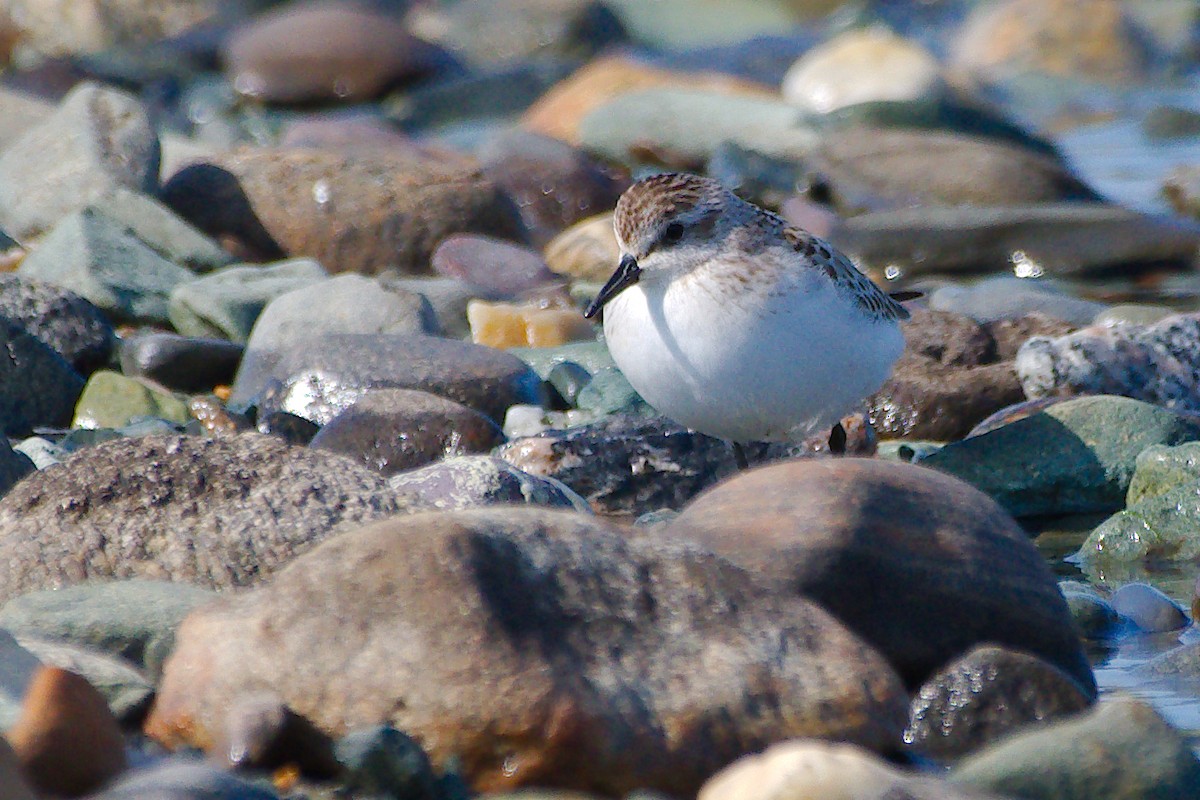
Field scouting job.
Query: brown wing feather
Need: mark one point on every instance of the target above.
(845, 276)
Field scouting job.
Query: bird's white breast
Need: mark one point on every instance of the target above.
(749, 363)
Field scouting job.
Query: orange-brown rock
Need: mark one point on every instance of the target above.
(559, 112)
(67, 741)
(533, 647)
(920, 564)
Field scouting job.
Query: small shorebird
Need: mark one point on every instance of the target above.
(737, 325)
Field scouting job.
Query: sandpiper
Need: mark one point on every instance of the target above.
(736, 324)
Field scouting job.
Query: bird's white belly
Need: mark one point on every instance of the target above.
(774, 368)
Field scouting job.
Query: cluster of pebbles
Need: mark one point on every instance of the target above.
(315, 482)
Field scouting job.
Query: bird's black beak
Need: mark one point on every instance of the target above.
(626, 275)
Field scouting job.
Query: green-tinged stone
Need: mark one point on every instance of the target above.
(225, 304)
(110, 400)
(592, 356)
(1160, 469)
(100, 260)
(677, 24)
(609, 392)
(1162, 527)
(1133, 315)
(1074, 457)
(1094, 615)
(1122, 750)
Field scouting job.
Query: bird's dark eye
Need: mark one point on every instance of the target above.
(673, 233)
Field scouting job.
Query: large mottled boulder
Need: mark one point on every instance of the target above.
(534, 647)
(217, 513)
(921, 565)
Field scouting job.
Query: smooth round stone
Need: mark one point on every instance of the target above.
(678, 24)
(365, 210)
(568, 379)
(68, 323)
(559, 112)
(588, 250)
(126, 690)
(985, 695)
(1086, 449)
(1132, 314)
(870, 168)
(131, 619)
(111, 400)
(182, 363)
(496, 622)
(554, 184)
(803, 769)
(1011, 334)
(214, 513)
(227, 303)
(1121, 750)
(98, 139)
(182, 778)
(66, 738)
(1094, 615)
(318, 379)
(384, 761)
(393, 430)
(447, 297)
(325, 50)
(342, 131)
(1082, 39)
(12, 776)
(1000, 298)
(861, 66)
(495, 266)
(530, 29)
(91, 26)
(1160, 469)
(857, 534)
(471, 481)
(1148, 608)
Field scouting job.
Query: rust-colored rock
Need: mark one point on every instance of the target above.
(359, 210)
(559, 112)
(919, 564)
(534, 647)
(67, 741)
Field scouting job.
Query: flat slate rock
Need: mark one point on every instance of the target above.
(217, 513)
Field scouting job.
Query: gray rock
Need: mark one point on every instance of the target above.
(1085, 450)
(1123, 750)
(447, 296)
(126, 690)
(1158, 363)
(61, 318)
(132, 619)
(342, 304)
(1094, 615)
(216, 513)
(383, 761)
(98, 139)
(17, 666)
(679, 24)
(317, 379)
(182, 363)
(162, 230)
(531, 30)
(1056, 238)
(1180, 663)
(1010, 298)
(37, 387)
(92, 255)
(471, 481)
(1148, 608)
(14, 465)
(689, 125)
(182, 779)
(986, 694)
(227, 303)
(392, 430)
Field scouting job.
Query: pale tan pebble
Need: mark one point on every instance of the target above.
(585, 251)
(505, 325)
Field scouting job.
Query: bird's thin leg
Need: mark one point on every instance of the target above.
(739, 456)
(837, 440)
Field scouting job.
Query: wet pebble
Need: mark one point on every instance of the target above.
(181, 363)
(381, 760)
(183, 778)
(587, 250)
(996, 299)
(112, 400)
(491, 264)
(393, 430)
(1148, 608)
(470, 481)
